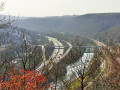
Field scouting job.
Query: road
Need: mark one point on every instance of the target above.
(57, 53)
(68, 50)
(54, 58)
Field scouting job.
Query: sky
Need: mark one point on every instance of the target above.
(43, 8)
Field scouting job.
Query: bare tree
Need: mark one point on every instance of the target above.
(5, 56)
(83, 64)
(29, 53)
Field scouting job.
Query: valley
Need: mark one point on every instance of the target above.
(77, 52)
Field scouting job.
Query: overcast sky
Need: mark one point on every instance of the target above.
(41, 8)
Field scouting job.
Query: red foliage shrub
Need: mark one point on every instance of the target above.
(23, 80)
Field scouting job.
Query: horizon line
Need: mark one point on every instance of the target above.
(60, 15)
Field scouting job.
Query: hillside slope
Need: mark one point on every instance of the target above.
(112, 33)
(80, 24)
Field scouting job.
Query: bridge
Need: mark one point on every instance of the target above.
(62, 47)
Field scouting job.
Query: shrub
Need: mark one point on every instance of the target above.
(23, 80)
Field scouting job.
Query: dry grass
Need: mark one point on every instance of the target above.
(111, 78)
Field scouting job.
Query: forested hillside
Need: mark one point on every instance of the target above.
(112, 33)
(78, 24)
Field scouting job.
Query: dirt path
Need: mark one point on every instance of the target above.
(112, 63)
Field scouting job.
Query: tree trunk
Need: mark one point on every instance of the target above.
(56, 82)
(82, 83)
